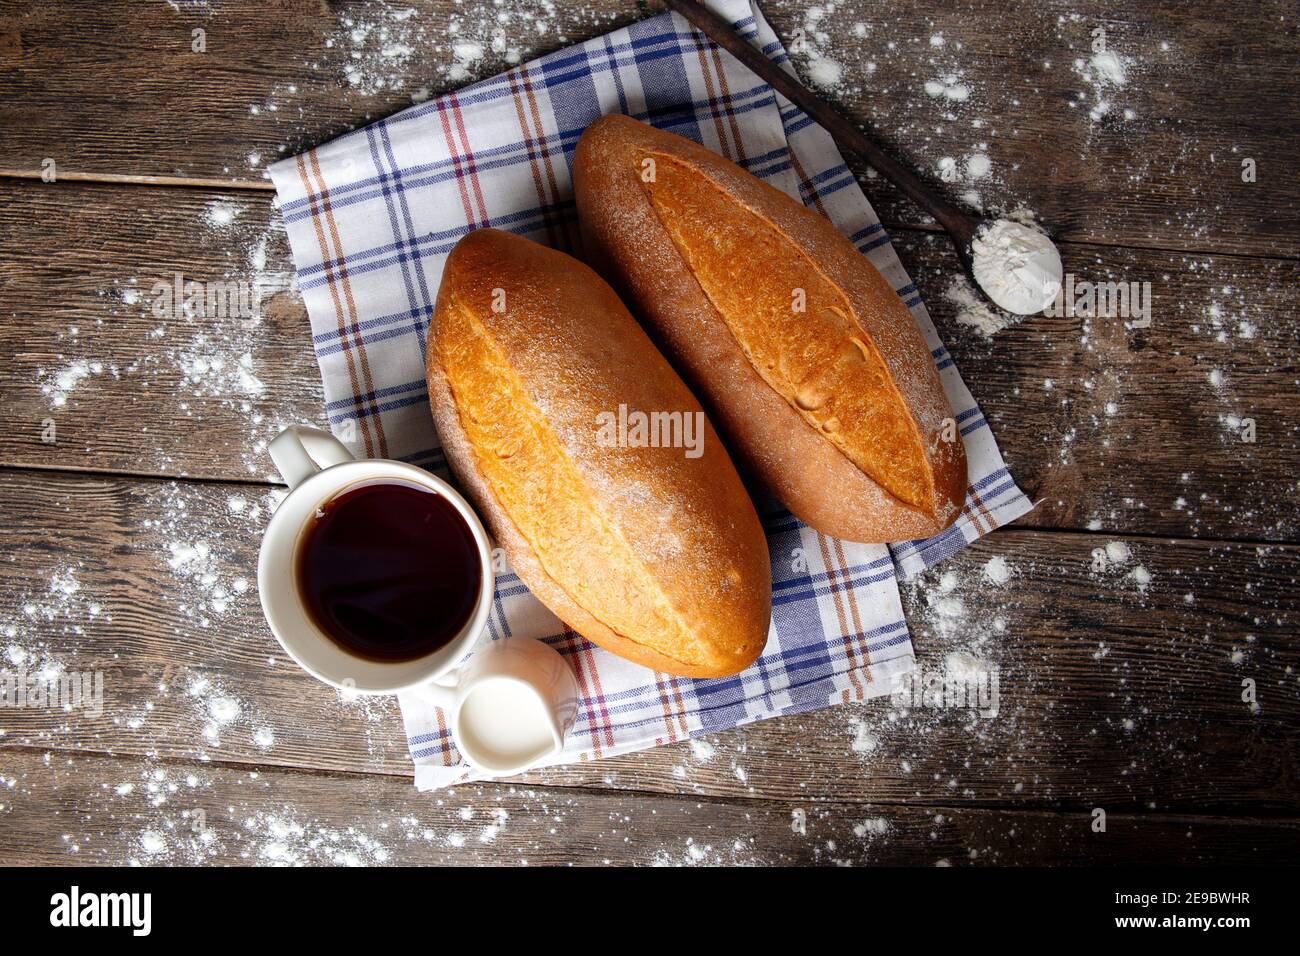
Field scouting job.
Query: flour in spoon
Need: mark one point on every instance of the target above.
(1017, 267)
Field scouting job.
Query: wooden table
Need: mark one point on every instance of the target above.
(1151, 589)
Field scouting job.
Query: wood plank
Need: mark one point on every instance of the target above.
(1185, 428)
(1120, 681)
(128, 388)
(61, 809)
(276, 78)
(1112, 427)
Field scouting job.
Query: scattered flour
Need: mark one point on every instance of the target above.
(214, 708)
(963, 666)
(825, 72)
(1117, 552)
(998, 570)
(201, 347)
(1109, 69)
(388, 50)
(978, 165)
(280, 838)
(972, 309)
(152, 843)
(950, 88)
(57, 385)
(1141, 577)
(490, 832)
(1117, 558)
(221, 213)
(1106, 72)
(864, 740)
(466, 54)
(872, 827)
(810, 46)
(702, 749)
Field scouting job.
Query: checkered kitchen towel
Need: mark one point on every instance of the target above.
(372, 215)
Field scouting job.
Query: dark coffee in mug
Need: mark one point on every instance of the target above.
(388, 570)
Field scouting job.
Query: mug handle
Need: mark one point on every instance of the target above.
(441, 691)
(299, 452)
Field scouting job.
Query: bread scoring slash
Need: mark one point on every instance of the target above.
(652, 551)
(807, 360)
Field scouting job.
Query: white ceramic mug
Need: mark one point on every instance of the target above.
(316, 466)
(510, 706)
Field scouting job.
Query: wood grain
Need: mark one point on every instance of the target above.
(89, 810)
(1110, 426)
(278, 77)
(1126, 659)
(1112, 693)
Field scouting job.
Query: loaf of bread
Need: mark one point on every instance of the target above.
(808, 362)
(642, 539)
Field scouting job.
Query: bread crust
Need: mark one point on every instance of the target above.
(627, 241)
(567, 341)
